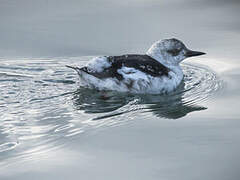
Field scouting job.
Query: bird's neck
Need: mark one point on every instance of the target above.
(163, 60)
(173, 67)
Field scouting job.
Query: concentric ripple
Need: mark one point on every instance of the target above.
(198, 85)
(41, 104)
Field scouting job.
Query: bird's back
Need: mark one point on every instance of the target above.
(143, 63)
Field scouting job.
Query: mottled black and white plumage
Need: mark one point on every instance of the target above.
(143, 63)
(157, 71)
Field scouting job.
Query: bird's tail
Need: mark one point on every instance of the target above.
(79, 70)
(72, 67)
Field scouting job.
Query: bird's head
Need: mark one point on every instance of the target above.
(171, 52)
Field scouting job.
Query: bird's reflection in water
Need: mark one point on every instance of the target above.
(94, 101)
(111, 103)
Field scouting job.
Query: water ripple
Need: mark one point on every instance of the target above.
(198, 85)
(41, 104)
(8, 146)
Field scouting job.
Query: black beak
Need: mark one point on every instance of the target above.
(191, 53)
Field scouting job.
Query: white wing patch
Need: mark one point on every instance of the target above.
(132, 73)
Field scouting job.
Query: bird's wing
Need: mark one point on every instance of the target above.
(107, 67)
(142, 63)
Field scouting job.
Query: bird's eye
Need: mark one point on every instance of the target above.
(173, 52)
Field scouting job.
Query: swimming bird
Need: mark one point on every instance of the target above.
(158, 71)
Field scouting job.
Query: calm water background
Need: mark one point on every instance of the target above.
(52, 129)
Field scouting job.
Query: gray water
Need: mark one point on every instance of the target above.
(50, 128)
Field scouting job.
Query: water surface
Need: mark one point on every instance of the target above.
(53, 129)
